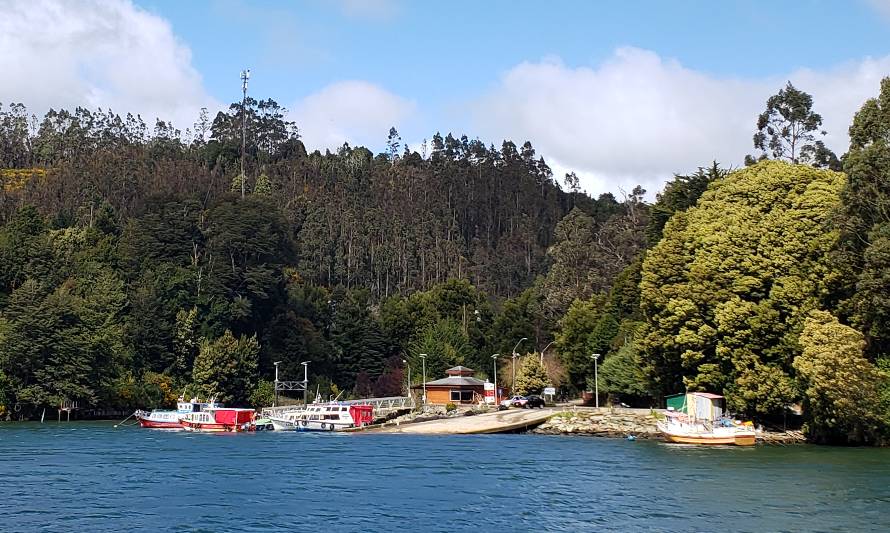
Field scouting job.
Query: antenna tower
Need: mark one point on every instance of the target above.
(245, 75)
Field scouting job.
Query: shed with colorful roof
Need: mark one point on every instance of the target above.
(459, 387)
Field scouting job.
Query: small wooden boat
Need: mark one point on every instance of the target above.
(681, 429)
(699, 418)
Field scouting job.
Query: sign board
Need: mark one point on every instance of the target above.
(489, 392)
(550, 391)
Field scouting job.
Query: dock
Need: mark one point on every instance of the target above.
(497, 422)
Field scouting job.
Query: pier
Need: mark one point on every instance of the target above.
(383, 407)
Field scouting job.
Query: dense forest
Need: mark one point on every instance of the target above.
(140, 261)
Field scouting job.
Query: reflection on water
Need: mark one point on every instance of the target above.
(93, 477)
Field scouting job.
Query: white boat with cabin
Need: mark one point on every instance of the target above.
(332, 416)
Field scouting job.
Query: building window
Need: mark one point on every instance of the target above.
(461, 396)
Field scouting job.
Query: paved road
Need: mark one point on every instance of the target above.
(496, 422)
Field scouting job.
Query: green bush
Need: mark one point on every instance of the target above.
(450, 407)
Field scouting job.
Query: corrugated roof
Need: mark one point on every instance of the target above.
(456, 380)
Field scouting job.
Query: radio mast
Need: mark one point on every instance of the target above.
(245, 75)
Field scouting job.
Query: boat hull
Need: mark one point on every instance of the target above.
(159, 419)
(306, 425)
(216, 428)
(730, 440)
(153, 424)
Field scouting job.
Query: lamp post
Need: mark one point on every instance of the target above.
(408, 382)
(275, 401)
(515, 355)
(305, 381)
(544, 350)
(495, 360)
(596, 379)
(423, 362)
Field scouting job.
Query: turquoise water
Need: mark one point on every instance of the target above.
(92, 477)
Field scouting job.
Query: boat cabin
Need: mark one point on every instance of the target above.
(698, 405)
(459, 387)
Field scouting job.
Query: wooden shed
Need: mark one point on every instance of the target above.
(459, 387)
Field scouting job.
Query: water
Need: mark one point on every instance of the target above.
(92, 477)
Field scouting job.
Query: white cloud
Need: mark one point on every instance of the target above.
(357, 112)
(638, 118)
(97, 53)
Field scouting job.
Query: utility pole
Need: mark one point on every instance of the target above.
(596, 379)
(245, 75)
(275, 401)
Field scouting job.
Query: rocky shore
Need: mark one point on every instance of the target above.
(636, 423)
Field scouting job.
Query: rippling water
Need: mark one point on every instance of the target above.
(92, 477)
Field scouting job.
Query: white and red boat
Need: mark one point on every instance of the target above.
(169, 418)
(332, 416)
(220, 420)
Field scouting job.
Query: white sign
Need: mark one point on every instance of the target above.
(489, 385)
(550, 391)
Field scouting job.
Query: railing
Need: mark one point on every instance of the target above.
(381, 405)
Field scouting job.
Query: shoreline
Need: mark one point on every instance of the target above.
(635, 423)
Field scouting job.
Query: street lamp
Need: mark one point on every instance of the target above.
(515, 355)
(596, 379)
(275, 401)
(408, 383)
(496, 395)
(423, 362)
(544, 350)
(305, 381)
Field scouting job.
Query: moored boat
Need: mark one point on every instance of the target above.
(679, 428)
(169, 418)
(333, 416)
(698, 418)
(220, 420)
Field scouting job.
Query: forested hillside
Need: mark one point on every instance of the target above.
(138, 262)
(139, 243)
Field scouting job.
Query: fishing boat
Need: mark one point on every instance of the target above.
(170, 418)
(220, 420)
(332, 416)
(698, 418)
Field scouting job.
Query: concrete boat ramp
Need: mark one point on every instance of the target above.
(497, 422)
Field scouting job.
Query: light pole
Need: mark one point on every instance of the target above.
(544, 350)
(515, 355)
(305, 381)
(423, 362)
(496, 395)
(275, 401)
(596, 379)
(408, 382)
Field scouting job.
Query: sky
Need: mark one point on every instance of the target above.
(622, 93)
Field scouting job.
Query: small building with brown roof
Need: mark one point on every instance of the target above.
(459, 387)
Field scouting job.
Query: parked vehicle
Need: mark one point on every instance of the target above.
(535, 401)
(515, 401)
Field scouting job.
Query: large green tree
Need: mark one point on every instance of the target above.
(726, 290)
(841, 388)
(865, 221)
(227, 367)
